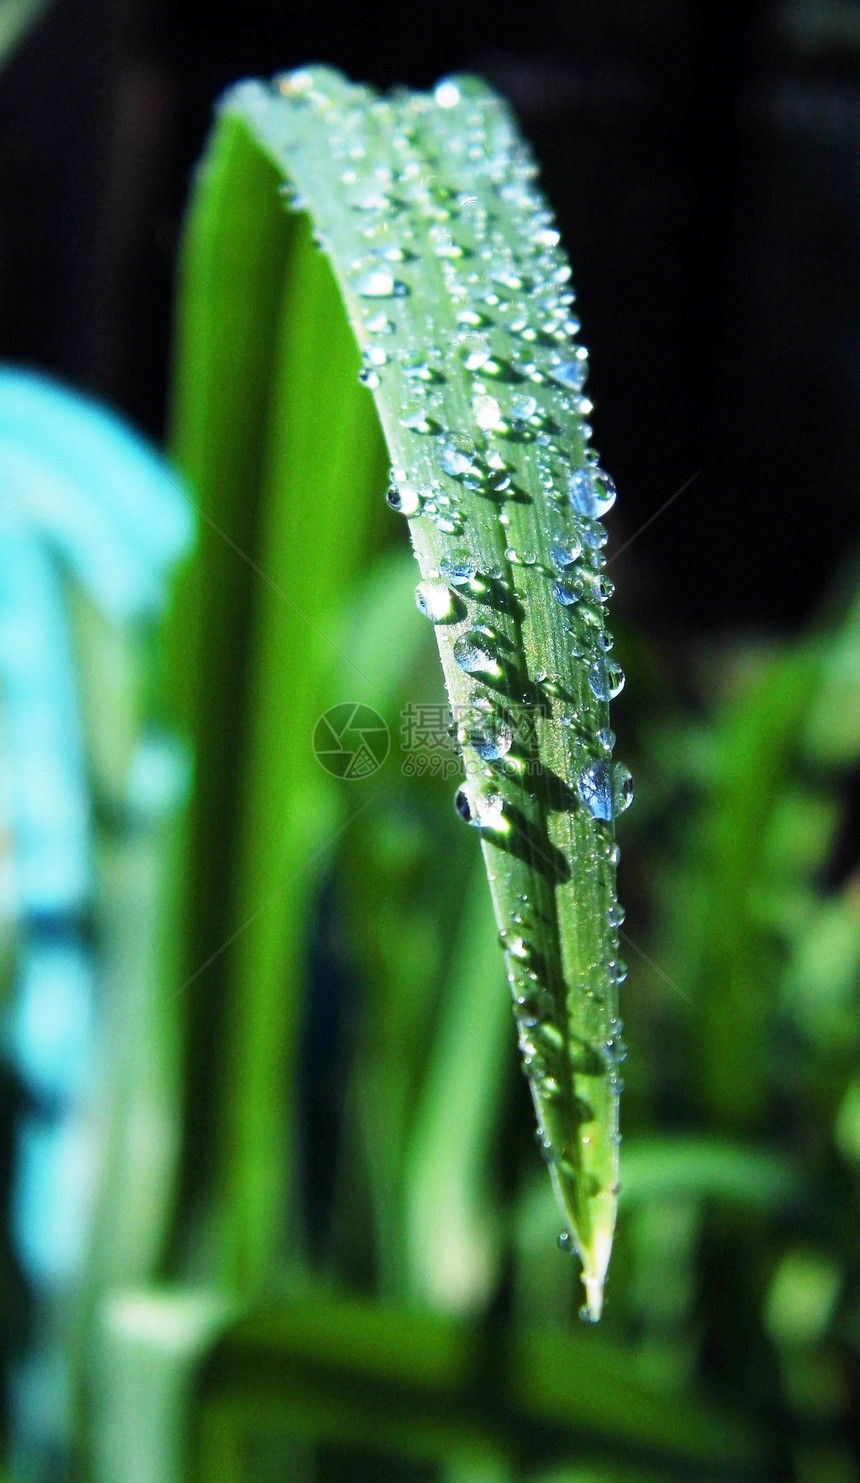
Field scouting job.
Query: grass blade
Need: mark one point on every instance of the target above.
(458, 295)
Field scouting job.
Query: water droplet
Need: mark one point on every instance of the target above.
(419, 370)
(446, 94)
(474, 352)
(481, 810)
(616, 1053)
(380, 324)
(566, 554)
(378, 283)
(592, 492)
(473, 652)
(597, 589)
(404, 498)
(606, 678)
(435, 601)
(606, 790)
(594, 534)
(463, 805)
(571, 374)
(471, 317)
(565, 593)
(499, 479)
(564, 1241)
(459, 568)
(616, 914)
(488, 413)
(622, 787)
(419, 422)
(523, 407)
(492, 744)
(456, 462)
(606, 737)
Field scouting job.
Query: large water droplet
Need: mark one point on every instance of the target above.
(473, 652)
(436, 601)
(523, 407)
(378, 283)
(565, 593)
(481, 810)
(488, 413)
(605, 789)
(594, 786)
(566, 553)
(456, 462)
(594, 534)
(597, 588)
(571, 374)
(592, 492)
(492, 743)
(404, 498)
(622, 790)
(446, 93)
(606, 678)
(459, 568)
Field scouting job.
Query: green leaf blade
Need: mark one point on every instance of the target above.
(457, 291)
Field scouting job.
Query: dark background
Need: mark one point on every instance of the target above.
(704, 162)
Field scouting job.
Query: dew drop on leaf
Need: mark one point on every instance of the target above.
(436, 601)
(606, 678)
(592, 492)
(473, 652)
(377, 284)
(605, 789)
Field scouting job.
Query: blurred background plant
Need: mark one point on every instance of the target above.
(321, 1247)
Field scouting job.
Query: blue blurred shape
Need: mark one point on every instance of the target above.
(111, 505)
(83, 499)
(42, 731)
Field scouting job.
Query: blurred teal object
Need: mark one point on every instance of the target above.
(85, 503)
(106, 502)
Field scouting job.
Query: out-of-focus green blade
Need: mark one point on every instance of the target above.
(318, 1368)
(722, 954)
(452, 1235)
(407, 856)
(16, 19)
(236, 252)
(323, 494)
(281, 446)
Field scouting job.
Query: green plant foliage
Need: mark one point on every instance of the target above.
(458, 296)
(360, 1278)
